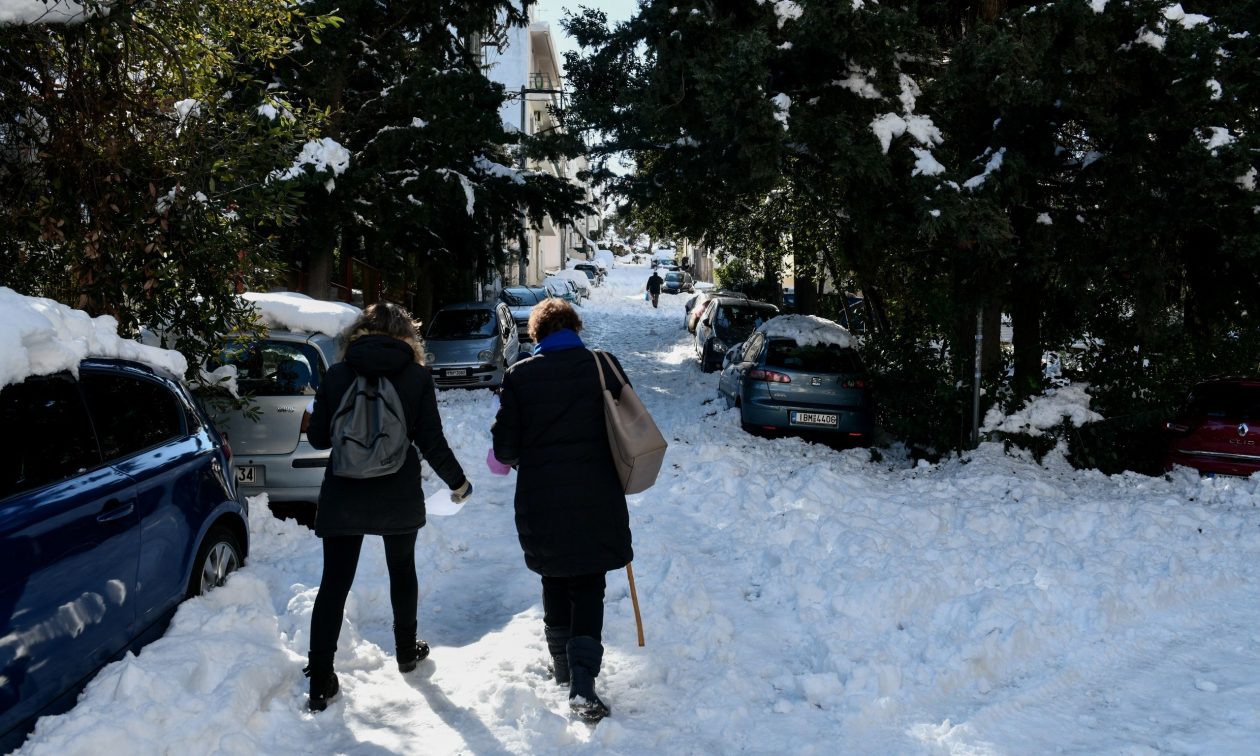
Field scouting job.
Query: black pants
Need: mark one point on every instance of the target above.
(656, 297)
(575, 602)
(341, 559)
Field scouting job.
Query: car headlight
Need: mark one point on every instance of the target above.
(429, 358)
(485, 355)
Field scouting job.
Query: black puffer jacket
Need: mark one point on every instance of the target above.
(390, 504)
(570, 510)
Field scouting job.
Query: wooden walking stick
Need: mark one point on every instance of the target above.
(634, 599)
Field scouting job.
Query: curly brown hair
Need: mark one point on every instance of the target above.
(390, 320)
(551, 315)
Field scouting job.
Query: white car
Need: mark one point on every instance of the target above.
(581, 283)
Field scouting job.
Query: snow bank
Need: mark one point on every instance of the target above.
(1044, 412)
(796, 599)
(39, 337)
(807, 330)
(292, 311)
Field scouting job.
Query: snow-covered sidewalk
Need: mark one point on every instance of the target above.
(796, 599)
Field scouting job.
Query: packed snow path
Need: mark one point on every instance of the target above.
(796, 600)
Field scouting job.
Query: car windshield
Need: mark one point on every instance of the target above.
(520, 297)
(272, 368)
(1225, 400)
(816, 358)
(461, 324)
(740, 320)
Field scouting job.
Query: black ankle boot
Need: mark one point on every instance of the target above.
(557, 644)
(324, 685)
(409, 651)
(585, 654)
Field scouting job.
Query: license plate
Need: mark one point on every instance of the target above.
(813, 418)
(459, 373)
(249, 475)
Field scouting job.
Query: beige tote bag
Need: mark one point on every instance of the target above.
(638, 448)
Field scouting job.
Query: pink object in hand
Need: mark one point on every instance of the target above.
(496, 467)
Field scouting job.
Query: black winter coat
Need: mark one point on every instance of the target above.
(391, 504)
(654, 284)
(571, 513)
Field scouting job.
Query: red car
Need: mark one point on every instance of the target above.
(1218, 430)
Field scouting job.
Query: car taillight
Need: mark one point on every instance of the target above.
(758, 374)
(306, 420)
(853, 383)
(1172, 427)
(227, 447)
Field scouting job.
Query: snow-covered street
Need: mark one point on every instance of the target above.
(796, 599)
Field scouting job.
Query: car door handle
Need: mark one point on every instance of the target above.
(115, 510)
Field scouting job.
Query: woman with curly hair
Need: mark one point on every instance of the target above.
(382, 344)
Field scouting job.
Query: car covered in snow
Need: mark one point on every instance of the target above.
(279, 372)
(471, 344)
(1217, 430)
(116, 504)
(726, 321)
(562, 288)
(578, 281)
(799, 373)
(593, 272)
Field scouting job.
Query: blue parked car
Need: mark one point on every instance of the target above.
(799, 373)
(116, 504)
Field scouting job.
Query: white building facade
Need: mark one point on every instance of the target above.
(527, 63)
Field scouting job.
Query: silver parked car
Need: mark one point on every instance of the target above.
(280, 374)
(470, 344)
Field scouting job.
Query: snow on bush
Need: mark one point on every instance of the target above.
(1044, 412)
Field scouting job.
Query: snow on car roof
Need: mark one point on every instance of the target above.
(807, 330)
(292, 311)
(39, 336)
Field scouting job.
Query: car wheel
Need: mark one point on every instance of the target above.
(751, 430)
(220, 555)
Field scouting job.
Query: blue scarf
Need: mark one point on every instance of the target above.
(559, 341)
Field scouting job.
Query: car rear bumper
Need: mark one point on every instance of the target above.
(1213, 463)
(474, 379)
(851, 421)
(296, 476)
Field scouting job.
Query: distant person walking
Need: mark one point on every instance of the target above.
(383, 345)
(654, 284)
(571, 513)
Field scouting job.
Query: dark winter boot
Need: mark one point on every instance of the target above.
(585, 655)
(324, 686)
(410, 651)
(557, 644)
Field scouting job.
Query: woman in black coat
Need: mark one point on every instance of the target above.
(571, 513)
(382, 343)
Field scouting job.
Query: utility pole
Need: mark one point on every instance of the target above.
(975, 394)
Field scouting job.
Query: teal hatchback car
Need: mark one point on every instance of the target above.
(799, 373)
